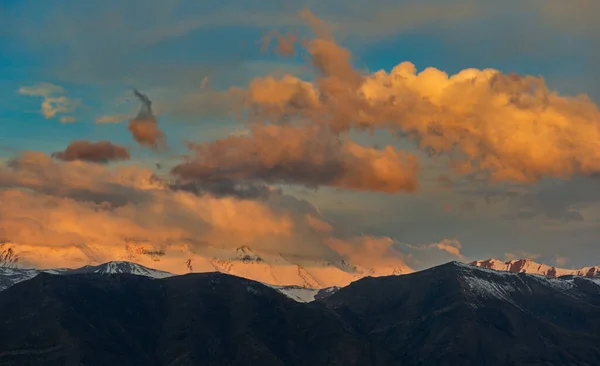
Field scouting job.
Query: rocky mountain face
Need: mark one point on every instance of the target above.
(529, 266)
(454, 314)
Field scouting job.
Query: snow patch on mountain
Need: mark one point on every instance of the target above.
(488, 283)
(296, 293)
(485, 287)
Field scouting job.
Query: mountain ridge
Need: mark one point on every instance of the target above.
(452, 314)
(525, 265)
(459, 314)
(10, 276)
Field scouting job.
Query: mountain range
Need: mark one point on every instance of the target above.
(453, 314)
(11, 274)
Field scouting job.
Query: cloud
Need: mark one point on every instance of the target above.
(561, 260)
(285, 146)
(521, 255)
(559, 201)
(53, 106)
(373, 252)
(144, 127)
(95, 152)
(51, 103)
(67, 119)
(305, 155)
(78, 180)
(65, 214)
(512, 128)
(117, 118)
(41, 90)
(285, 43)
(450, 246)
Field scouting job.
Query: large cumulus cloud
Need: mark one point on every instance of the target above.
(510, 127)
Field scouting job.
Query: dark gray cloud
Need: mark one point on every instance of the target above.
(562, 200)
(221, 188)
(96, 152)
(144, 127)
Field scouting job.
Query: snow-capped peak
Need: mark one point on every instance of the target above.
(10, 276)
(122, 267)
(528, 266)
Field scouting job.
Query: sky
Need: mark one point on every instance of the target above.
(429, 130)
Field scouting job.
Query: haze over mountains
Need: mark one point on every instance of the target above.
(268, 267)
(277, 269)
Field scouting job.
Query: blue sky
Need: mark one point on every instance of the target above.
(98, 50)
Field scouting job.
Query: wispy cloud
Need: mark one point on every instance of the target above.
(117, 118)
(450, 246)
(54, 101)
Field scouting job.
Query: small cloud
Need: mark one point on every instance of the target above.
(117, 118)
(41, 90)
(561, 260)
(240, 132)
(521, 255)
(144, 127)
(450, 246)
(54, 101)
(68, 119)
(204, 82)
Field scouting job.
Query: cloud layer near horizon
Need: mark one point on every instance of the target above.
(78, 212)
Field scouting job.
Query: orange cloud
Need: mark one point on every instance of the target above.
(450, 246)
(372, 252)
(308, 155)
(57, 214)
(511, 127)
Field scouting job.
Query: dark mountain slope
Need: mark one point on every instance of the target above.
(453, 314)
(199, 319)
(456, 314)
